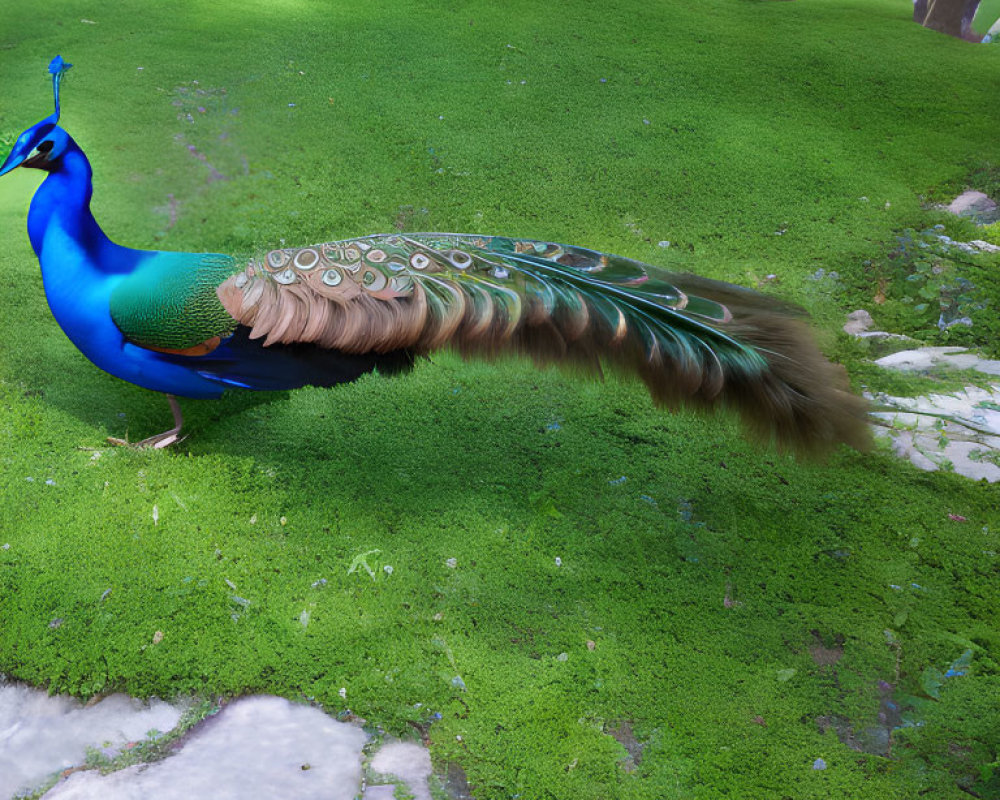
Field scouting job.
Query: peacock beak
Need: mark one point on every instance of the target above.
(24, 153)
(13, 161)
(21, 149)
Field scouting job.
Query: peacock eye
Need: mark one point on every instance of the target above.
(45, 146)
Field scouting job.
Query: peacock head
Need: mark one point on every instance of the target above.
(44, 142)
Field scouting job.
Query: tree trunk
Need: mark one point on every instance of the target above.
(953, 17)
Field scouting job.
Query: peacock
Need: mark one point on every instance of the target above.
(198, 324)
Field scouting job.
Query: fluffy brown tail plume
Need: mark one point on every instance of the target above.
(693, 341)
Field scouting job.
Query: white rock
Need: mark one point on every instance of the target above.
(904, 447)
(407, 761)
(926, 357)
(258, 746)
(255, 747)
(932, 442)
(40, 735)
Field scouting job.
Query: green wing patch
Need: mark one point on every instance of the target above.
(169, 301)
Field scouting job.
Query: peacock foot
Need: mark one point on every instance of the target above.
(157, 442)
(160, 440)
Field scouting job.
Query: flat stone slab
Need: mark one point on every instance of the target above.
(258, 746)
(927, 357)
(40, 735)
(255, 747)
(960, 431)
(932, 442)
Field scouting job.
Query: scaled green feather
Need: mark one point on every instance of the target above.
(169, 301)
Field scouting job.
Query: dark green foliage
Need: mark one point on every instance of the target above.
(957, 744)
(734, 598)
(938, 288)
(985, 178)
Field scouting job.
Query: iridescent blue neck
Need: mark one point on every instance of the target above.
(60, 211)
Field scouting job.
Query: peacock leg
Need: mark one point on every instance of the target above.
(161, 440)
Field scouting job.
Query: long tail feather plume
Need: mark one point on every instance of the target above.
(693, 341)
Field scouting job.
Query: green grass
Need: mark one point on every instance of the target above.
(741, 605)
(986, 16)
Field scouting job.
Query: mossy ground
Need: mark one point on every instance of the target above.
(742, 608)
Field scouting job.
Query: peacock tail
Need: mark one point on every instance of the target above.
(692, 341)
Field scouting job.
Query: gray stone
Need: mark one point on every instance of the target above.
(959, 431)
(255, 747)
(858, 322)
(880, 343)
(927, 357)
(976, 206)
(40, 735)
(407, 761)
(258, 746)
(986, 247)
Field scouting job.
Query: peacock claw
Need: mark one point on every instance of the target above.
(158, 442)
(161, 440)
